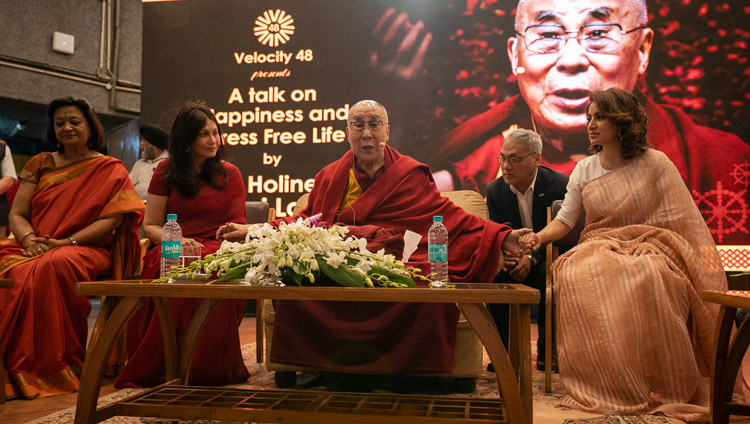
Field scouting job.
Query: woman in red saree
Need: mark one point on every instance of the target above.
(628, 291)
(205, 192)
(75, 218)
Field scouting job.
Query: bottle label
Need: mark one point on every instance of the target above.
(171, 248)
(437, 253)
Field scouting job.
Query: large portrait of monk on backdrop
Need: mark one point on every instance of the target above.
(556, 53)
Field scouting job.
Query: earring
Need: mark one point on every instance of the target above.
(518, 70)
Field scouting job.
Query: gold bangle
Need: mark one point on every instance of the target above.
(26, 234)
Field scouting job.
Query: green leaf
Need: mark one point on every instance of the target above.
(288, 273)
(343, 275)
(392, 276)
(236, 273)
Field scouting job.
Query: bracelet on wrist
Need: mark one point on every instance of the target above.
(23, 237)
(73, 241)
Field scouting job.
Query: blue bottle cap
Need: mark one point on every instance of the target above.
(174, 216)
(437, 218)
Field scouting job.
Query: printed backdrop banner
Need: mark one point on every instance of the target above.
(281, 75)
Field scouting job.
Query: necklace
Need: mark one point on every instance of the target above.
(86, 156)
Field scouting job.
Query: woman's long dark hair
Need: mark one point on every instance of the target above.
(187, 125)
(624, 110)
(96, 139)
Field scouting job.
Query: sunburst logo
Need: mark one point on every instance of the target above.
(274, 27)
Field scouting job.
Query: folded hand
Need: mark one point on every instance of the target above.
(40, 245)
(232, 232)
(521, 271)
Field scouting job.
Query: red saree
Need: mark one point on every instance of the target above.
(625, 345)
(43, 324)
(217, 359)
(386, 337)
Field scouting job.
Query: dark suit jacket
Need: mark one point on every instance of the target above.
(503, 204)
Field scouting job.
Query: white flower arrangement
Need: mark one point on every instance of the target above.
(300, 253)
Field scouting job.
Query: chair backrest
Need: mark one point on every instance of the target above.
(470, 201)
(570, 239)
(256, 212)
(301, 204)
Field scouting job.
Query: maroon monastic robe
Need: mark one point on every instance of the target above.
(386, 337)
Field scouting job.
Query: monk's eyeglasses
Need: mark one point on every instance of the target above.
(359, 126)
(595, 38)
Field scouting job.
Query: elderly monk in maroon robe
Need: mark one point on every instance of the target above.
(379, 194)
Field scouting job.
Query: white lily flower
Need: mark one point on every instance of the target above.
(335, 260)
(363, 266)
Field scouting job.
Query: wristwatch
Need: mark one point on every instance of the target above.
(532, 260)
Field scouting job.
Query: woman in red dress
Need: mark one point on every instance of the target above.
(205, 192)
(75, 218)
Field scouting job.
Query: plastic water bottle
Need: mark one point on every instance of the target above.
(171, 244)
(437, 252)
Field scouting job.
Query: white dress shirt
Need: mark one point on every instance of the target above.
(526, 202)
(142, 172)
(6, 166)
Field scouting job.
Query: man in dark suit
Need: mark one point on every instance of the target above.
(519, 198)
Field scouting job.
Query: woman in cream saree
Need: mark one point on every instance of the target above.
(633, 333)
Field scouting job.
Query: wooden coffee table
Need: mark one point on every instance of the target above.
(175, 399)
(728, 353)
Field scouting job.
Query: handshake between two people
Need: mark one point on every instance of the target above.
(517, 247)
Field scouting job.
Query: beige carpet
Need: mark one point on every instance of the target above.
(612, 419)
(547, 408)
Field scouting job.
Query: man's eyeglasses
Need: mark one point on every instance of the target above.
(513, 159)
(595, 38)
(359, 126)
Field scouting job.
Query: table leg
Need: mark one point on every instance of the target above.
(523, 313)
(169, 336)
(259, 336)
(193, 333)
(481, 321)
(114, 315)
(514, 335)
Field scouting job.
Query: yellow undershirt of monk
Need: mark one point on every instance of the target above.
(352, 193)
